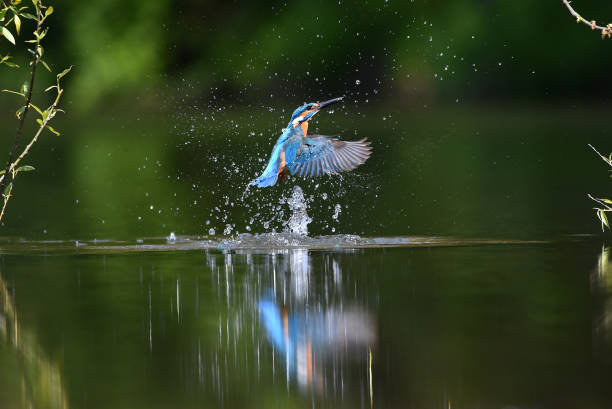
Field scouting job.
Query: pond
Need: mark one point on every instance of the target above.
(408, 322)
(458, 268)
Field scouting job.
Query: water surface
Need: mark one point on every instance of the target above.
(461, 325)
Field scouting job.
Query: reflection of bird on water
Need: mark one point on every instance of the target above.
(306, 337)
(313, 155)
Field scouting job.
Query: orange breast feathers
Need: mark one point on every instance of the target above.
(283, 163)
(303, 125)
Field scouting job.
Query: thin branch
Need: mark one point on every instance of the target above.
(43, 125)
(15, 146)
(601, 202)
(6, 199)
(601, 211)
(52, 110)
(605, 31)
(607, 160)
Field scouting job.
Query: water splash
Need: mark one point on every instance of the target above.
(299, 220)
(265, 242)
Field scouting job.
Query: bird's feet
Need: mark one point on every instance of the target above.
(283, 175)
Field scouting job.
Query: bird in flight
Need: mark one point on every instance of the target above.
(306, 155)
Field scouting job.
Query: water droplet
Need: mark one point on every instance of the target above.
(337, 211)
(299, 220)
(357, 82)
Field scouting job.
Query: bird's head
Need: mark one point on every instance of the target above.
(302, 114)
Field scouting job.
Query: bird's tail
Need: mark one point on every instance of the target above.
(268, 177)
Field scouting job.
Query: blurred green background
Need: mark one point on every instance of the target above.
(479, 113)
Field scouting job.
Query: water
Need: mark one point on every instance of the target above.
(455, 269)
(465, 170)
(158, 323)
(299, 220)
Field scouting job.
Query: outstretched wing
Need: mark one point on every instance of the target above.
(321, 154)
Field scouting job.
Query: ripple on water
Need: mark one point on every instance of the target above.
(242, 241)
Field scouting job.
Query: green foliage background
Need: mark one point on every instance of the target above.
(248, 48)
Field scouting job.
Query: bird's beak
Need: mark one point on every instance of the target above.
(327, 103)
(314, 110)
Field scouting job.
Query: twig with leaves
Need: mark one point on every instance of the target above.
(606, 204)
(11, 12)
(606, 31)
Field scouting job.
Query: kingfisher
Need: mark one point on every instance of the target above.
(306, 155)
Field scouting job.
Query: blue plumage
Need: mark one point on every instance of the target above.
(314, 155)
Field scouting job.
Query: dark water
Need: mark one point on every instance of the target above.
(500, 316)
(479, 325)
(475, 171)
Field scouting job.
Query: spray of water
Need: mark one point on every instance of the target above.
(222, 155)
(299, 220)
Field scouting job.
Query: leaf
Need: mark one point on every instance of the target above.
(2, 13)
(25, 168)
(66, 71)
(49, 11)
(2, 172)
(17, 21)
(604, 218)
(10, 64)
(20, 112)
(42, 35)
(25, 87)
(53, 130)
(608, 201)
(36, 108)
(28, 16)
(7, 34)
(13, 92)
(7, 189)
(46, 66)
